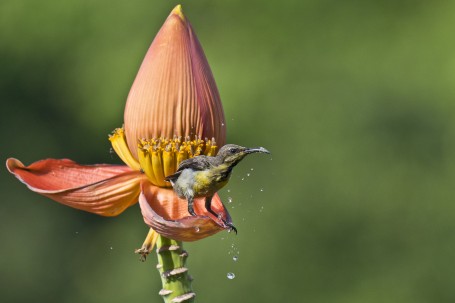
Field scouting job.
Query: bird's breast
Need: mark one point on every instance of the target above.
(208, 182)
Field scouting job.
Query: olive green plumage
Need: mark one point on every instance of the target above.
(203, 176)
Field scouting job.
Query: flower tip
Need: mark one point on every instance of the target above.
(12, 164)
(177, 11)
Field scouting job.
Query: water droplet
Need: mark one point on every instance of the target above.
(243, 179)
(228, 190)
(261, 189)
(76, 232)
(229, 200)
(261, 209)
(248, 174)
(196, 228)
(222, 124)
(235, 258)
(111, 248)
(230, 275)
(252, 169)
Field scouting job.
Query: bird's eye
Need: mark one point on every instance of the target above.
(232, 150)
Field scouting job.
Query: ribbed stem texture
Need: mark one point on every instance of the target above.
(174, 275)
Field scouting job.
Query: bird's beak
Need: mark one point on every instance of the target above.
(257, 150)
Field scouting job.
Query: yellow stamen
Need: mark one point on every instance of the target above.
(146, 163)
(161, 157)
(120, 146)
(158, 169)
(210, 148)
(169, 161)
(182, 155)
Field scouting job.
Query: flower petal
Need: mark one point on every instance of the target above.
(102, 189)
(174, 93)
(168, 215)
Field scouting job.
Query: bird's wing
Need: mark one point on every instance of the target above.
(196, 163)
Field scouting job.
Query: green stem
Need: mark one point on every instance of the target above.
(174, 275)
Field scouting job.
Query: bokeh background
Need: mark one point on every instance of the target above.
(356, 100)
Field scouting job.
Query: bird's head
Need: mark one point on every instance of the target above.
(232, 154)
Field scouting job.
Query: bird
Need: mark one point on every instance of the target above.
(203, 176)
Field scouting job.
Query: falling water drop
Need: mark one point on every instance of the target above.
(229, 200)
(235, 258)
(230, 275)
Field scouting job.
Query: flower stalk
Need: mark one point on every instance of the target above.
(174, 275)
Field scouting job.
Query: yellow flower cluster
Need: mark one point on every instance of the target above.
(160, 157)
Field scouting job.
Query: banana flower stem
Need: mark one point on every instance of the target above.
(174, 275)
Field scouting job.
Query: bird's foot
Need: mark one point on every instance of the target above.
(231, 227)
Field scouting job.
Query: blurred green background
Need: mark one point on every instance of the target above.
(356, 100)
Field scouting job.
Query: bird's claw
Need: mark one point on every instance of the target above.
(231, 227)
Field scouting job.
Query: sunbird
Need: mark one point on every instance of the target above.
(203, 176)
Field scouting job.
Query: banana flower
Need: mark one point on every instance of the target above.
(173, 112)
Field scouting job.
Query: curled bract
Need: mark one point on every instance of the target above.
(168, 215)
